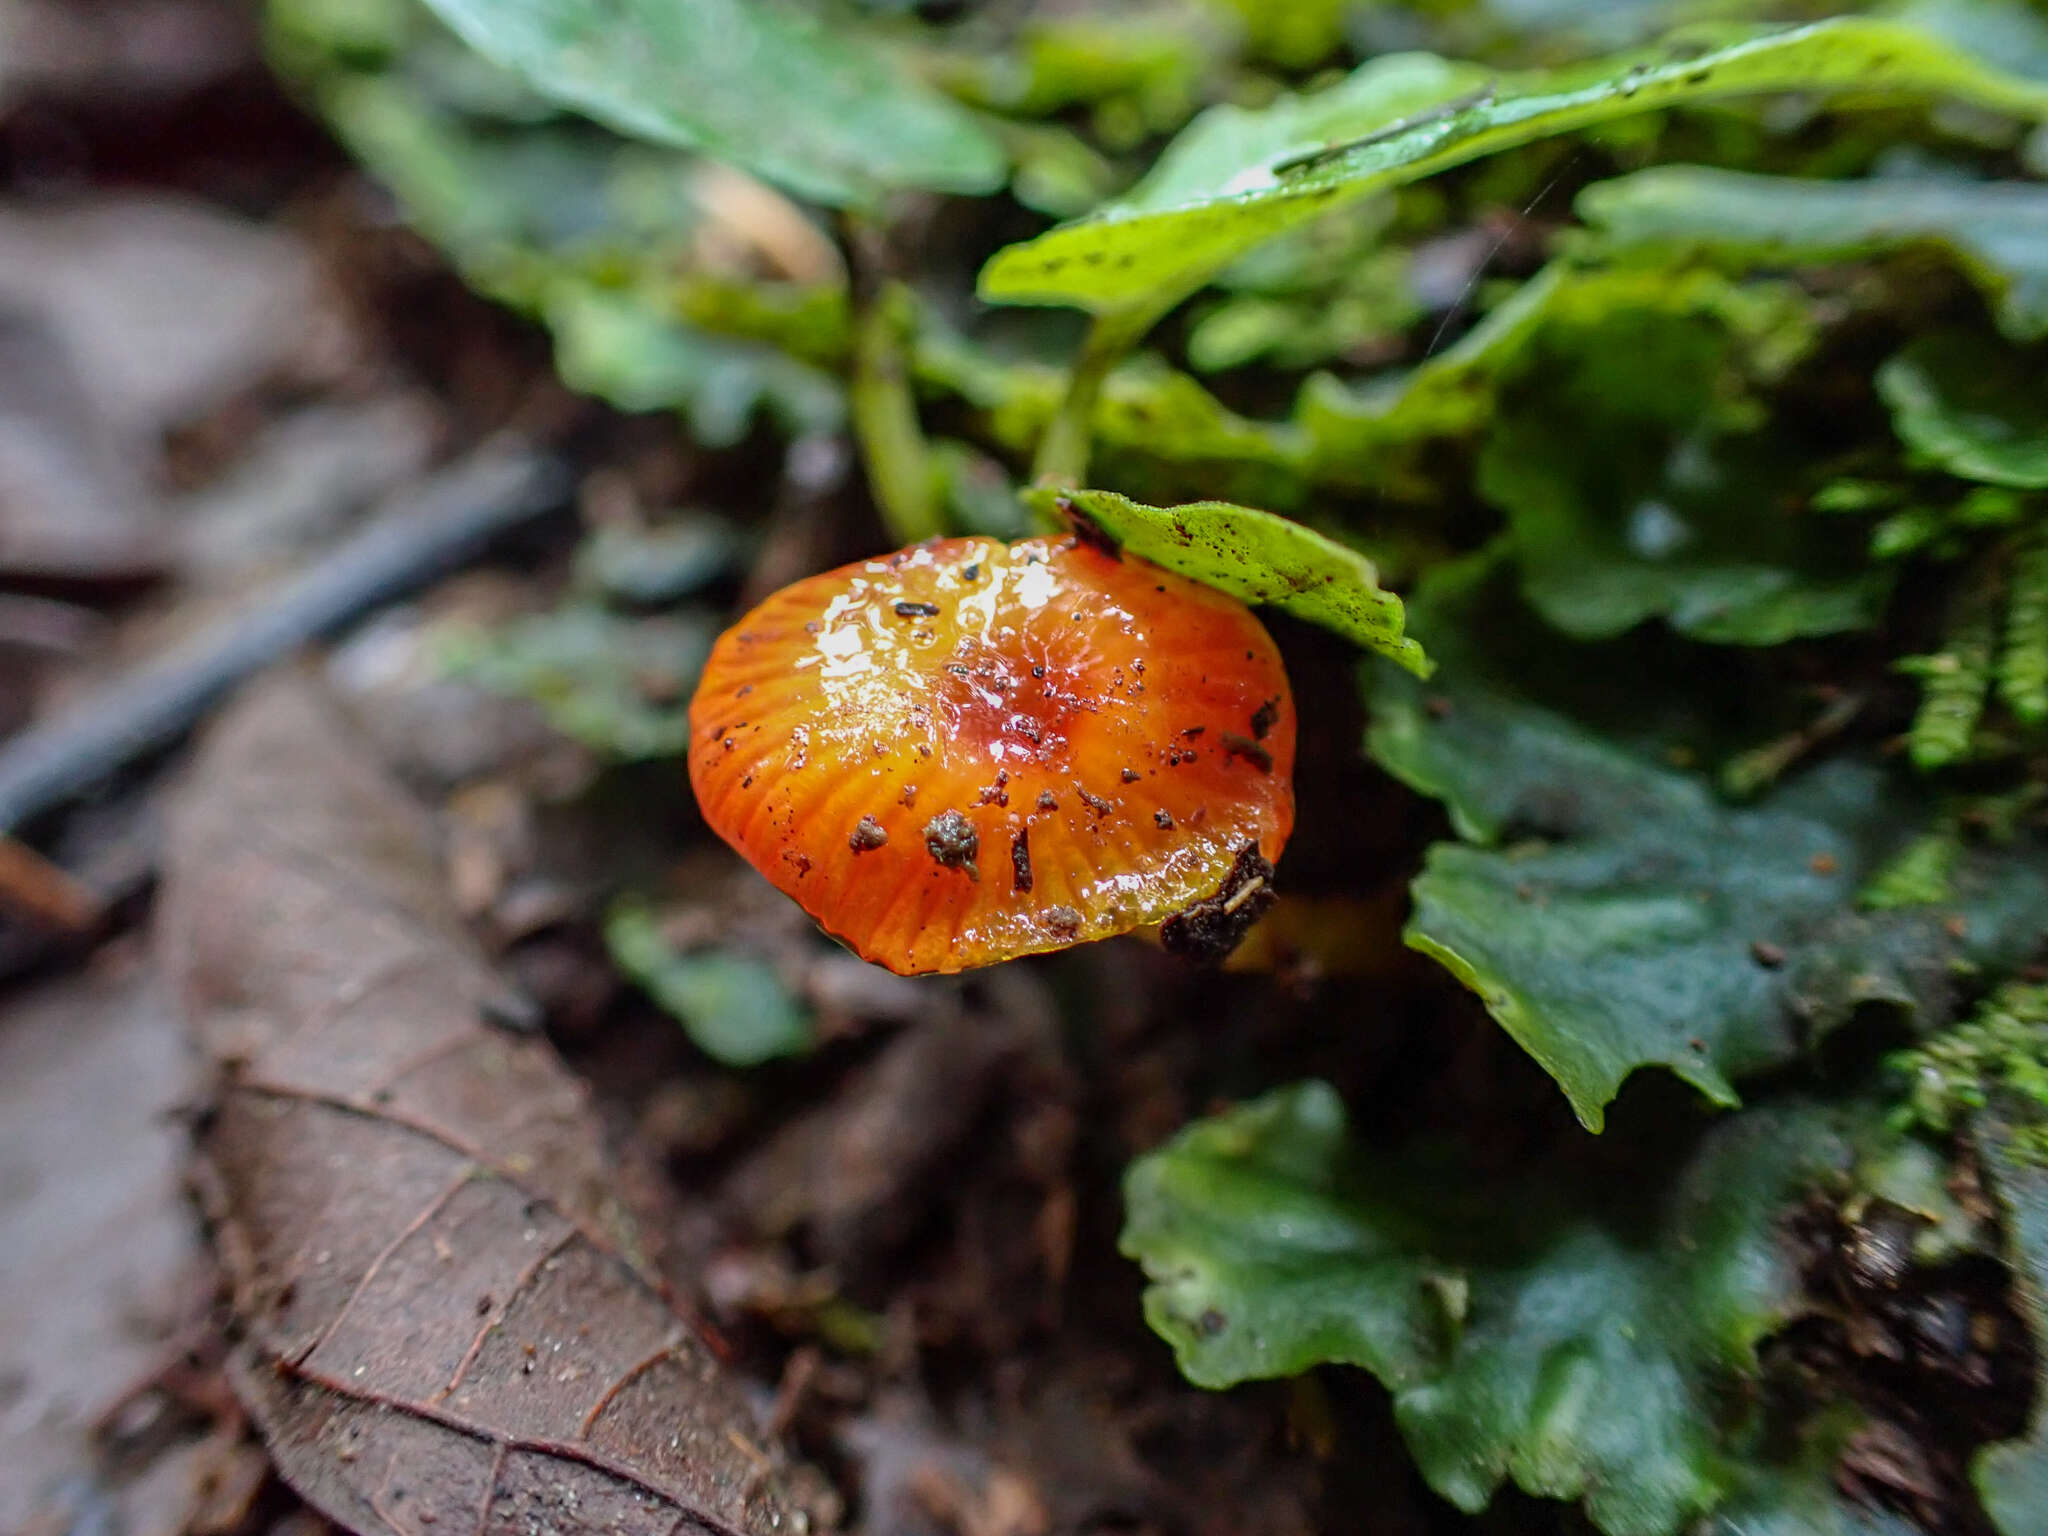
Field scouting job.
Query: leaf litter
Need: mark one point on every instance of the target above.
(451, 1311)
(932, 1286)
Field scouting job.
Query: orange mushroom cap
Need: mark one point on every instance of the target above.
(968, 751)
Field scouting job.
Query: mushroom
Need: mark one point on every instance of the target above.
(968, 751)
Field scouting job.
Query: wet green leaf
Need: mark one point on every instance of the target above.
(734, 1007)
(1627, 916)
(1573, 1328)
(1974, 409)
(1237, 178)
(1996, 232)
(1257, 558)
(1627, 503)
(621, 685)
(823, 111)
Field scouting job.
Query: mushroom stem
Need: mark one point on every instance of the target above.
(1063, 452)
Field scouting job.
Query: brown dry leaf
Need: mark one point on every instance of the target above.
(451, 1320)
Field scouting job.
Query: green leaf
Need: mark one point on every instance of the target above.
(1257, 558)
(1998, 1057)
(1996, 233)
(1573, 1328)
(1149, 61)
(1976, 410)
(2012, 1478)
(585, 230)
(1626, 503)
(617, 347)
(659, 564)
(1955, 683)
(1373, 435)
(621, 685)
(734, 1007)
(824, 111)
(1235, 178)
(1636, 920)
(1154, 420)
(2023, 664)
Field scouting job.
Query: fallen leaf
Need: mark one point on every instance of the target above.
(451, 1309)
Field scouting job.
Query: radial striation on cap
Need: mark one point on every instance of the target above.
(966, 751)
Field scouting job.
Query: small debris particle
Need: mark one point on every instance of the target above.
(909, 795)
(1823, 864)
(971, 571)
(1193, 731)
(484, 1303)
(1063, 921)
(813, 627)
(1163, 819)
(1131, 775)
(1767, 954)
(1020, 859)
(1038, 671)
(1096, 803)
(906, 609)
(867, 834)
(998, 792)
(1211, 1323)
(744, 690)
(952, 841)
(747, 782)
(1263, 718)
(1086, 529)
(1210, 929)
(1235, 745)
(1047, 800)
(1955, 926)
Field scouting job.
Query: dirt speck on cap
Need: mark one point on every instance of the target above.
(952, 841)
(1210, 929)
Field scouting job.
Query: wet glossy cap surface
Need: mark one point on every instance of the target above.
(966, 751)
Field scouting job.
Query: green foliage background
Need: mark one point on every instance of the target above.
(1685, 363)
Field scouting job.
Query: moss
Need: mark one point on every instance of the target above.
(2001, 1051)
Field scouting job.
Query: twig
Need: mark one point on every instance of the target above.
(420, 535)
(31, 885)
